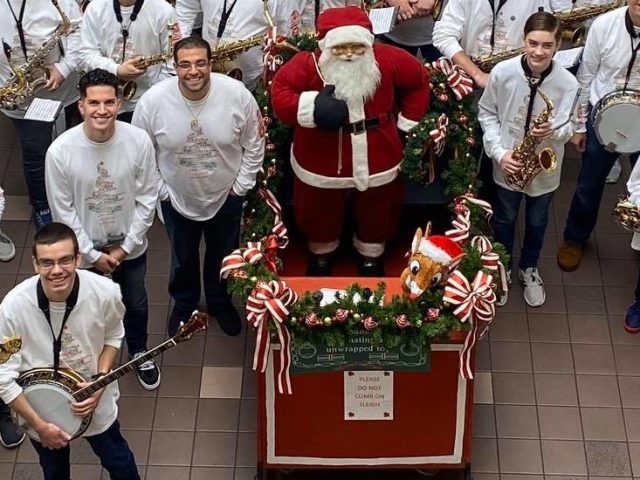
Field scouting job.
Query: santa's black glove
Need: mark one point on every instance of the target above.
(329, 112)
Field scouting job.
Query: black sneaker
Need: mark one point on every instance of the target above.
(148, 373)
(177, 317)
(10, 436)
(228, 318)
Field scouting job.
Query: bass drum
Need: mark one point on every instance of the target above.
(615, 121)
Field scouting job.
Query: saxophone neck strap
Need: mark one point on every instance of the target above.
(224, 17)
(19, 27)
(534, 84)
(495, 11)
(43, 304)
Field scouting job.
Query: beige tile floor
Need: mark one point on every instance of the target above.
(557, 389)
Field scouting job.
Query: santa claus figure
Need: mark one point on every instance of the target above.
(347, 101)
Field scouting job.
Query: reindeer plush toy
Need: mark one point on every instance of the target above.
(430, 261)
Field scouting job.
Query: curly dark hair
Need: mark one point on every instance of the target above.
(191, 42)
(97, 77)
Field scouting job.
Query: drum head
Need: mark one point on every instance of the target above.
(54, 406)
(618, 128)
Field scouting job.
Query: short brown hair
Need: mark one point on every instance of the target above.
(543, 21)
(191, 42)
(53, 233)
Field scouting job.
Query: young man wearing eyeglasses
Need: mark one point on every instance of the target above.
(90, 335)
(209, 139)
(103, 182)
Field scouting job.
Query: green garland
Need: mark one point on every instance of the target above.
(426, 318)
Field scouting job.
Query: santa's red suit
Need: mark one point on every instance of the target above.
(365, 153)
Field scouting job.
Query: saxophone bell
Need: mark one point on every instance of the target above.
(575, 34)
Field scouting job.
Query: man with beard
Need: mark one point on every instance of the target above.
(206, 128)
(343, 100)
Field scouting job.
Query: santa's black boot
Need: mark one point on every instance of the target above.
(320, 265)
(371, 266)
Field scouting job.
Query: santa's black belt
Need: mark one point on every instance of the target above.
(370, 123)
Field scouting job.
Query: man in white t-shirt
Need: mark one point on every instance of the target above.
(83, 312)
(209, 141)
(115, 35)
(102, 181)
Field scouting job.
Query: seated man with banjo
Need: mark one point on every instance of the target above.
(609, 76)
(68, 319)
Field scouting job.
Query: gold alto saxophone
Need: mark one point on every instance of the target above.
(488, 61)
(627, 214)
(572, 20)
(128, 88)
(223, 56)
(532, 162)
(30, 77)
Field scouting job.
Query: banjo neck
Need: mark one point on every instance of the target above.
(93, 387)
(196, 323)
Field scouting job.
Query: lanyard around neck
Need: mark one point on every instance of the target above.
(43, 304)
(125, 30)
(495, 12)
(222, 26)
(634, 49)
(18, 20)
(534, 84)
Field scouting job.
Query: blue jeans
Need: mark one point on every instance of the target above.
(221, 235)
(110, 446)
(130, 276)
(505, 214)
(35, 138)
(583, 214)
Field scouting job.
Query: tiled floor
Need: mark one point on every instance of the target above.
(557, 391)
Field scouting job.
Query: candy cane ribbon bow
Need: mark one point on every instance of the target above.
(270, 60)
(458, 80)
(490, 259)
(462, 222)
(270, 300)
(439, 133)
(241, 257)
(475, 303)
(279, 228)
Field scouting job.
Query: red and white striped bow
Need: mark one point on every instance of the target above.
(279, 228)
(270, 300)
(458, 80)
(461, 224)
(271, 59)
(474, 303)
(241, 257)
(439, 133)
(490, 259)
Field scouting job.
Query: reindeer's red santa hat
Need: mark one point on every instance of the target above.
(440, 249)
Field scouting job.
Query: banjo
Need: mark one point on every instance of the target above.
(614, 119)
(51, 395)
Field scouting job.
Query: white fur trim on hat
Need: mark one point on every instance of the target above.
(429, 249)
(346, 34)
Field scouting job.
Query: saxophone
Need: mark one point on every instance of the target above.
(533, 163)
(128, 88)
(627, 214)
(487, 61)
(572, 20)
(223, 56)
(29, 78)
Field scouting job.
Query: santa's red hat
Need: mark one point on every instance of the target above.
(337, 26)
(441, 249)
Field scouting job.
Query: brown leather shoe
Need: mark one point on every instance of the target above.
(569, 256)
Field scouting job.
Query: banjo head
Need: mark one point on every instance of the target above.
(52, 400)
(615, 121)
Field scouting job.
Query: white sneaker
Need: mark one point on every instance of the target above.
(534, 293)
(502, 299)
(7, 248)
(614, 173)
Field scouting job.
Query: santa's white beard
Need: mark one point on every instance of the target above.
(354, 79)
